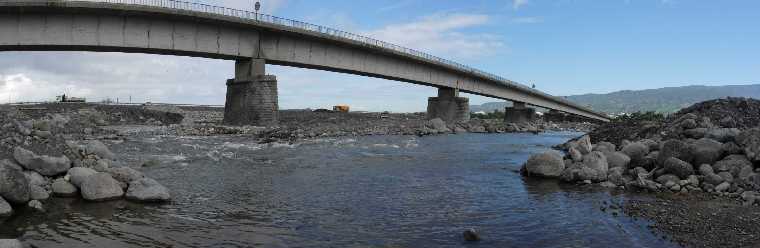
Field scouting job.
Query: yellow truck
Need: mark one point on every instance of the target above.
(341, 108)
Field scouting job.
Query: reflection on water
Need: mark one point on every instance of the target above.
(384, 191)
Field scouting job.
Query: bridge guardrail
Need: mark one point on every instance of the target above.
(254, 16)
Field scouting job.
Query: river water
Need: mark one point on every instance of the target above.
(376, 191)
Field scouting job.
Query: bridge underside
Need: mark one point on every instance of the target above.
(82, 26)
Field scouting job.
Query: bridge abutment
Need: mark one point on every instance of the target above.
(519, 113)
(449, 106)
(251, 95)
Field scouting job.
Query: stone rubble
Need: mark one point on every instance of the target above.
(690, 154)
(63, 155)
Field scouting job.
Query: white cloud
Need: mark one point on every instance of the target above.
(156, 78)
(516, 4)
(397, 5)
(441, 34)
(19, 87)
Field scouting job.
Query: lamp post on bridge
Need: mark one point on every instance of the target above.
(256, 7)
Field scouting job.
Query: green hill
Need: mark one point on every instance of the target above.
(665, 100)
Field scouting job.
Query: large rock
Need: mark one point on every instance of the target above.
(696, 133)
(101, 187)
(5, 209)
(731, 148)
(617, 159)
(125, 175)
(636, 152)
(722, 187)
(706, 169)
(649, 161)
(45, 165)
(594, 168)
(63, 188)
(674, 149)
(14, 186)
(438, 125)
(605, 147)
(548, 164)
(678, 167)
(36, 179)
(147, 190)
(596, 161)
(750, 141)
(706, 151)
(651, 144)
(727, 176)
(738, 165)
(689, 123)
(664, 179)
(77, 175)
(713, 179)
(583, 144)
(38, 193)
(615, 175)
(96, 147)
(723, 134)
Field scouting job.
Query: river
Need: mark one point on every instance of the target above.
(374, 191)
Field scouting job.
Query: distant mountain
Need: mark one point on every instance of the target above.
(665, 100)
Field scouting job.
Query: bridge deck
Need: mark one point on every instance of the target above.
(192, 29)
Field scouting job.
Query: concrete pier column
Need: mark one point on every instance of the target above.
(555, 116)
(251, 95)
(519, 113)
(449, 106)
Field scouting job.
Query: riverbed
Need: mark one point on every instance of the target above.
(372, 191)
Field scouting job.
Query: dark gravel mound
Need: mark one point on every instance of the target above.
(732, 112)
(632, 127)
(133, 115)
(112, 114)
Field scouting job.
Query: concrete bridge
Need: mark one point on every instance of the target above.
(254, 40)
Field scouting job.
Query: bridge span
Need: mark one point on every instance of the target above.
(254, 40)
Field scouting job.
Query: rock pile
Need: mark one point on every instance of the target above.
(30, 174)
(690, 154)
(729, 115)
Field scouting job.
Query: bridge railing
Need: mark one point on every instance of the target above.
(264, 18)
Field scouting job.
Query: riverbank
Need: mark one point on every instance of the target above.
(367, 191)
(699, 163)
(63, 151)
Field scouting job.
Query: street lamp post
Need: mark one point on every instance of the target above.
(256, 7)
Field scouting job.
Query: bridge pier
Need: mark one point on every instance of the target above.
(251, 95)
(448, 106)
(555, 116)
(519, 113)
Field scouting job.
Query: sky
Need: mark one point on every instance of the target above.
(564, 47)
